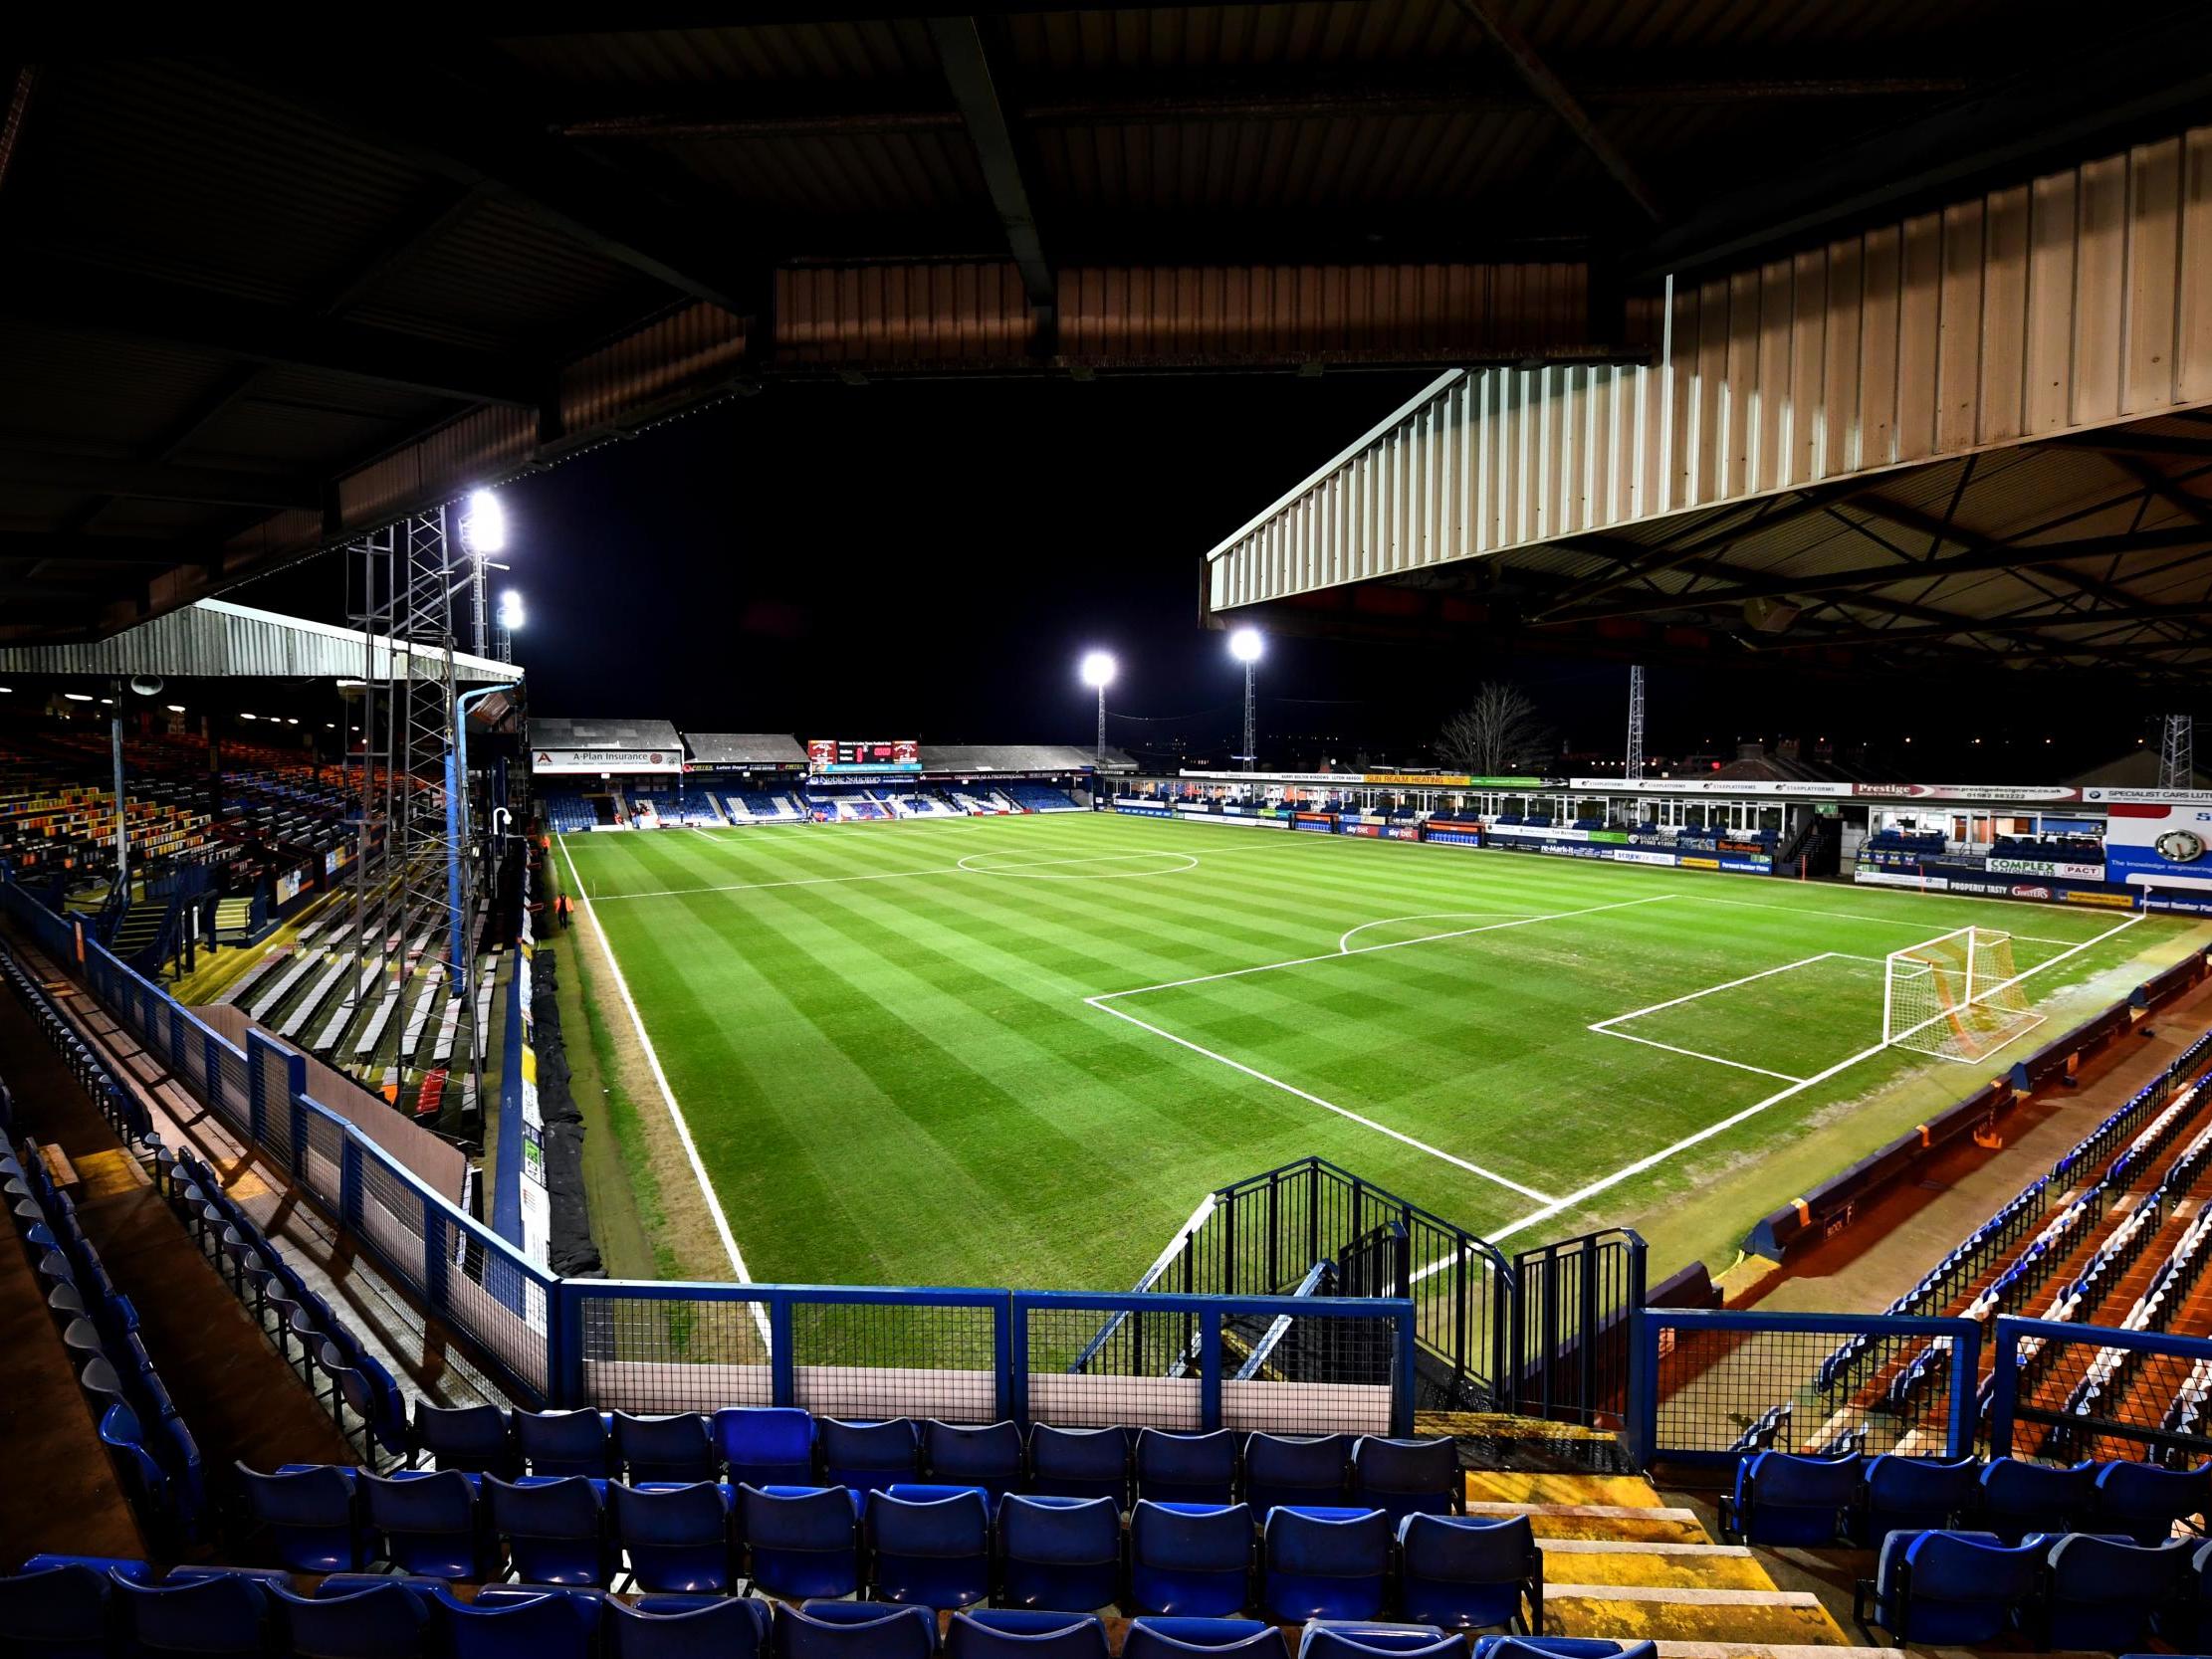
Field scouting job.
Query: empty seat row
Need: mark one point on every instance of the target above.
(942, 1546)
(770, 1446)
(78, 1608)
(154, 1455)
(1945, 1588)
(288, 1310)
(115, 1102)
(1781, 1498)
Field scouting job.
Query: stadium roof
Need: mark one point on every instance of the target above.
(1016, 757)
(217, 640)
(591, 734)
(261, 293)
(745, 748)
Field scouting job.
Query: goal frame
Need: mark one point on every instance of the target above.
(1972, 1004)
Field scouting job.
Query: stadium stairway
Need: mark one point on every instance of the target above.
(1622, 1563)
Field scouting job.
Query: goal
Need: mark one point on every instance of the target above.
(1956, 996)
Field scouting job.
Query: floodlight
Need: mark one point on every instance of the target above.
(511, 610)
(174, 708)
(1098, 669)
(1246, 643)
(483, 524)
(245, 716)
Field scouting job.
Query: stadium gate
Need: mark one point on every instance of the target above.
(1543, 1334)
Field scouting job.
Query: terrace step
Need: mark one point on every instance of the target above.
(1633, 1613)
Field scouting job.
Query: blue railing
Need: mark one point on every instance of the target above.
(973, 1354)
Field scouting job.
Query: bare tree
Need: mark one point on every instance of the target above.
(1498, 735)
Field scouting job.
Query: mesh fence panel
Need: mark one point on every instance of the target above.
(276, 1115)
(672, 1353)
(1096, 1365)
(1726, 1388)
(2080, 1398)
(897, 1359)
(497, 1302)
(326, 1154)
(233, 1100)
(391, 1216)
(1316, 1372)
(194, 1058)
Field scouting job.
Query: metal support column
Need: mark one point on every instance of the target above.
(2176, 752)
(1251, 741)
(122, 829)
(1632, 766)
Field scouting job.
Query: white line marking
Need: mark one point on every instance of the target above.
(1099, 1003)
(1605, 1183)
(1343, 944)
(668, 1096)
(1709, 990)
(1695, 1054)
(1369, 949)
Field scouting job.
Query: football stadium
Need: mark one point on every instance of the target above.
(1469, 913)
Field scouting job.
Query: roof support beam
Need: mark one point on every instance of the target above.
(94, 549)
(959, 49)
(1489, 17)
(41, 288)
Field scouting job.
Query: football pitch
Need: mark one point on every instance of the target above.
(1018, 1051)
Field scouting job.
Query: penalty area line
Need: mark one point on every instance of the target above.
(668, 1098)
(1100, 1003)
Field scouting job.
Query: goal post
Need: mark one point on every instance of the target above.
(1956, 996)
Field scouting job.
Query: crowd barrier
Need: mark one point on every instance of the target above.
(1180, 1361)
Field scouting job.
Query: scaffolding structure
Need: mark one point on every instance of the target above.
(414, 882)
(2177, 766)
(1631, 766)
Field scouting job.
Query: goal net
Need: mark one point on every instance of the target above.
(1957, 996)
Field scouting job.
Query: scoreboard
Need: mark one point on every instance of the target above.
(845, 754)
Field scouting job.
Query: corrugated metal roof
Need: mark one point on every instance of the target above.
(745, 748)
(550, 732)
(216, 640)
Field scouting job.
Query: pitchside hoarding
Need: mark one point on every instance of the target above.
(2160, 842)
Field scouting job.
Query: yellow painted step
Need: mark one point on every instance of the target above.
(1506, 1487)
(107, 1173)
(1628, 1614)
(1653, 1566)
(1616, 1526)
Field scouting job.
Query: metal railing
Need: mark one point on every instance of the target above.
(1317, 1364)
(1570, 1345)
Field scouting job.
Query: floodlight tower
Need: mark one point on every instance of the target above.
(1631, 767)
(1246, 644)
(1098, 673)
(482, 533)
(510, 620)
(2177, 764)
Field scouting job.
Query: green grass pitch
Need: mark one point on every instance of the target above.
(1018, 1051)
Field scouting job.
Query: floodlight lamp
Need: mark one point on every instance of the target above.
(79, 697)
(1098, 669)
(1246, 643)
(174, 708)
(484, 524)
(511, 610)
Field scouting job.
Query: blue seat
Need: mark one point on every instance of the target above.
(1023, 1634)
(1203, 1639)
(935, 1551)
(854, 1630)
(1407, 1477)
(382, 1621)
(868, 1455)
(1913, 1495)
(1364, 1639)
(1295, 1469)
(220, 1614)
(2144, 1500)
(1783, 1499)
(1190, 1561)
(676, 1538)
(543, 1626)
(564, 1443)
(555, 1529)
(311, 1516)
(1463, 1573)
(2101, 1593)
(371, 1394)
(1079, 1463)
(686, 1627)
(676, 1448)
(803, 1540)
(1059, 1553)
(992, 1456)
(142, 1480)
(766, 1445)
(1326, 1563)
(55, 1612)
(429, 1523)
(1187, 1468)
(1947, 1589)
(2019, 1498)
(477, 1439)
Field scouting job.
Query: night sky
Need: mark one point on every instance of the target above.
(932, 559)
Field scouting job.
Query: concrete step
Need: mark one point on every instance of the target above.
(1506, 1487)
(1638, 1612)
(1652, 1566)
